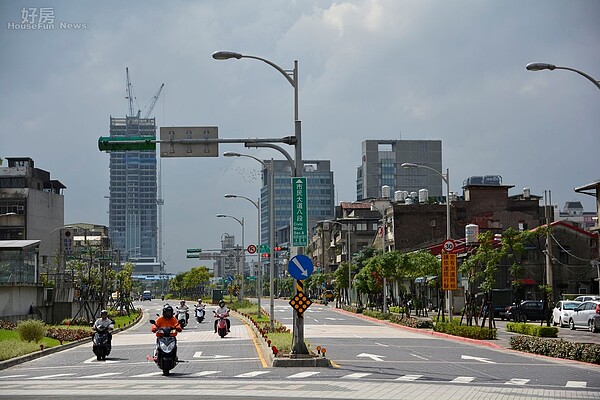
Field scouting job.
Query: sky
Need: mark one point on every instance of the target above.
(380, 69)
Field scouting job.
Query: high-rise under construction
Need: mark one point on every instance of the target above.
(133, 191)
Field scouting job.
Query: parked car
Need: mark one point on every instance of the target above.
(562, 312)
(532, 310)
(588, 297)
(584, 316)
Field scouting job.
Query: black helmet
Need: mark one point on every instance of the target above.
(103, 312)
(167, 311)
(221, 303)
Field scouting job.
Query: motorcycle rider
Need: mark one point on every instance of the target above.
(222, 310)
(104, 324)
(167, 320)
(183, 306)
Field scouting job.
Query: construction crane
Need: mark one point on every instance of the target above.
(129, 96)
(152, 103)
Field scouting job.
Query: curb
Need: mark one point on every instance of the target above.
(50, 350)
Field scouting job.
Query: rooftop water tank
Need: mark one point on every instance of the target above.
(423, 195)
(471, 233)
(399, 195)
(385, 191)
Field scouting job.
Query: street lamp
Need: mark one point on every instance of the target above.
(299, 347)
(271, 232)
(348, 256)
(446, 178)
(259, 281)
(243, 260)
(542, 66)
(381, 206)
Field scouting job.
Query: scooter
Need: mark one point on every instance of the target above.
(221, 324)
(182, 317)
(165, 353)
(200, 313)
(101, 343)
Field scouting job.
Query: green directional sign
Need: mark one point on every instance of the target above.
(299, 212)
(194, 250)
(193, 256)
(122, 143)
(264, 248)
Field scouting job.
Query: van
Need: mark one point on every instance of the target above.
(146, 295)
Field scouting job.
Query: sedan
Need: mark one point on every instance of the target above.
(584, 316)
(562, 312)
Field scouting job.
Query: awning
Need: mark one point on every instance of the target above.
(527, 281)
(425, 279)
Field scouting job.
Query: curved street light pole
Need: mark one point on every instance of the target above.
(259, 280)
(298, 345)
(446, 178)
(536, 66)
(271, 232)
(243, 258)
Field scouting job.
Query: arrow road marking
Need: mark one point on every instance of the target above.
(480, 359)
(198, 354)
(99, 375)
(205, 373)
(303, 272)
(51, 376)
(371, 356)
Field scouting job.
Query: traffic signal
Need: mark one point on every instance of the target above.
(121, 143)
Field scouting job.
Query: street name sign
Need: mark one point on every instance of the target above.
(173, 141)
(300, 267)
(299, 212)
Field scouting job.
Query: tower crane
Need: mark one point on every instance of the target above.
(153, 101)
(129, 96)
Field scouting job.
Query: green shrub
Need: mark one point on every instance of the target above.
(472, 332)
(532, 330)
(586, 352)
(411, 322)
(31, 330)
(352, 309)
(376, 314)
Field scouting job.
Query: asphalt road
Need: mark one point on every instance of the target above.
(371, 360)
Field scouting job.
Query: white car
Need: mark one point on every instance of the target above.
(589, 297)
(562, 312)
(585, 316)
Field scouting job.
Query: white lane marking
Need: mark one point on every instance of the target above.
(409, 378)
(381, 344)
(374, 357)
(517, 381)
(11, 376)
(252, 374)
(50, 376)
(99, 375)
(481, 359)
(419, 357)
(356, 375)
(316, 320)
(147, 375)
(576, 384)
(463, 379)
(305, 374)
(205, 373)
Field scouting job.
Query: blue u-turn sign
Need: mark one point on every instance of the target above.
(300, 267)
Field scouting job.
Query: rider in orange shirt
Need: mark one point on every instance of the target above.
(167, 320)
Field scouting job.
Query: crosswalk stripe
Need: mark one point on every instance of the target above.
(50, 376)
(251, 374)
(303, 374)
(517, 381)
(409, 378)
(146, 375)
(463, 379)
(356, 375)
(99, 375)
(205, 373)
(577, 384)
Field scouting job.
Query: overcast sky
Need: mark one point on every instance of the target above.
(433, 70)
